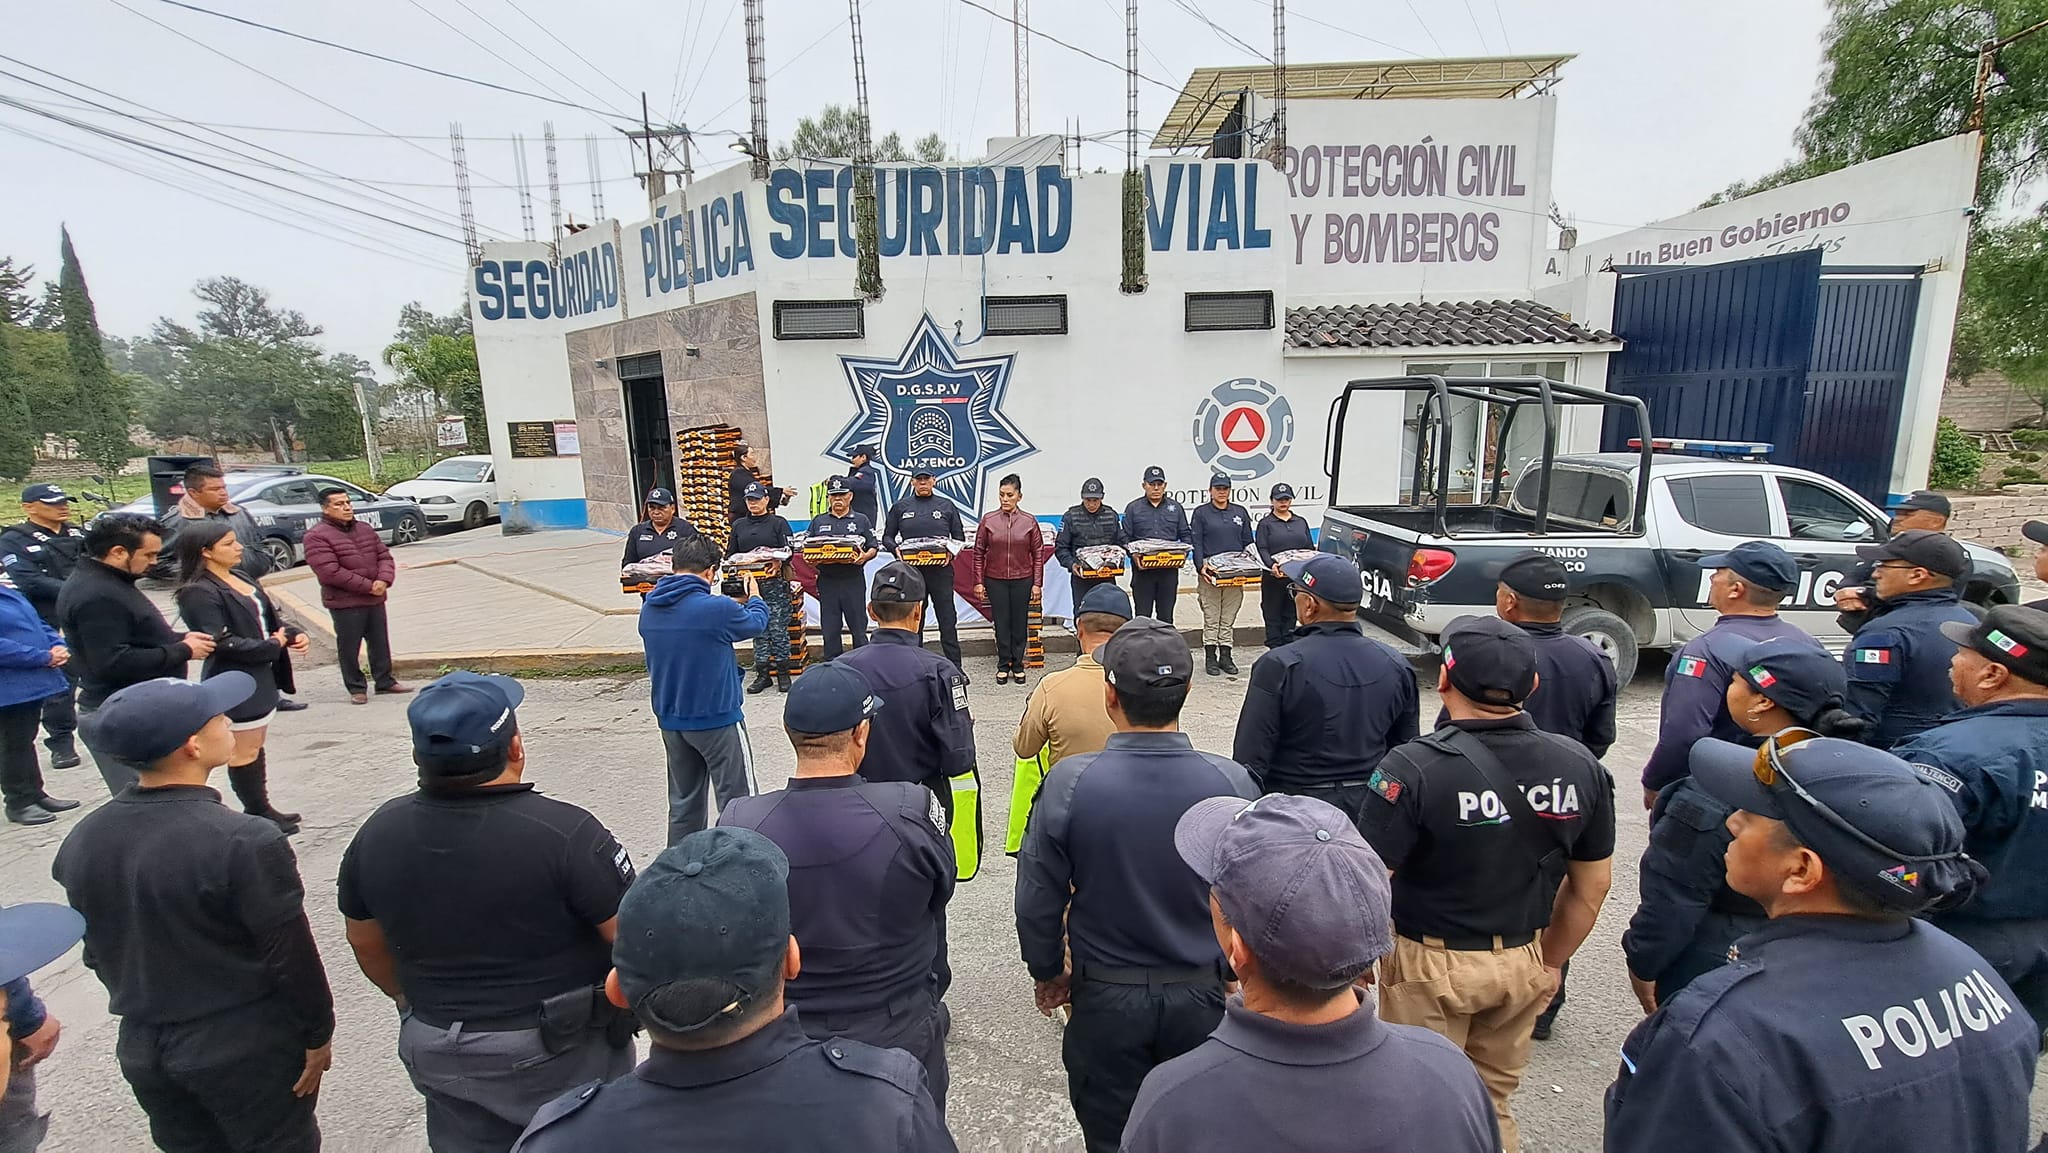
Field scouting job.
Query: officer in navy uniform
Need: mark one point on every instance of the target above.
(926, 735)
(870, 873)
(842, 588)
(757, 530)
(1279, 531)
(1854, 596)
(924, 513)
(1991, 758)
(1087, 525)
(1898, 662)
(865, 482)
(1155, 517)
(39, 554)
(1845, 1024)
(660, 531)
(703, 956)
(1748, 583)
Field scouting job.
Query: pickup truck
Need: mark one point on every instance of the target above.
(1630, 529)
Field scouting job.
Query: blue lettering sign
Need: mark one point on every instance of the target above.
(490, 292)
(515, 287)
(978, 204)
(1055, 200)
(843, 188)
(742, 247)
(893, 209)
(820, 212)
(927, 204)
(1159, 224)
(1016, 229)
(785, 208)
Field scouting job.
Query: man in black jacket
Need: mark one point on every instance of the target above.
(39, 554)
(116, 636)
(1086, 525)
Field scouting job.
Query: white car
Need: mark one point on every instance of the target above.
(461, 489)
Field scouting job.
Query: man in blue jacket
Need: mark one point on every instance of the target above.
(32, 656)
(689, 630)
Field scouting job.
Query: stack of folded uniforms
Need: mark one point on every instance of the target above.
(928, 551)
(1100, 561)
(1153, 553)
(760, 561)
(1290, 556)
(1235, 569)
(821, 549)
(640, 576)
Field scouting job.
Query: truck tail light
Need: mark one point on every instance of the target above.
(1430, 563)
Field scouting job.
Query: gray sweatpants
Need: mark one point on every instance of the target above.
(721, 759)
(483, 1088)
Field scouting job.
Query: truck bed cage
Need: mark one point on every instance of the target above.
(1511, 393)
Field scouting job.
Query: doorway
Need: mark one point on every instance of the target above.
(647, 425)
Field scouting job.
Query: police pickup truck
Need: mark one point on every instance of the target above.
(1629, 528)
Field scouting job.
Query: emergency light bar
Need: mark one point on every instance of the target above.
(1737, 449)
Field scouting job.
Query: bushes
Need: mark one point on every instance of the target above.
(2031, 437)
(1957, 459)
(2019, 474)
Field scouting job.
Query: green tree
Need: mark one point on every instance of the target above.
(17, 441)
(15, 301)
(830, 135)
(104, 406)
(442, 363)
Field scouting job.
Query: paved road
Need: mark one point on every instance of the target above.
(593, 742)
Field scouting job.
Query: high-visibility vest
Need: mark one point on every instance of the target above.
(819, 501)
(1023, 792)
(966, 830)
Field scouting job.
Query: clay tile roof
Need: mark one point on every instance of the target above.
(1435, 324)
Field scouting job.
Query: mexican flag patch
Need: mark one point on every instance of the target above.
(2009, 645)
(1762, 676)
(1873, 656)
(1384, 785)
(1450, 661)
(1691, 667)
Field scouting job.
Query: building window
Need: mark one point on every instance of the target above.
(1023, 315)
(818, 320)
(1228, 311)
(642, 367)
(1471, 450)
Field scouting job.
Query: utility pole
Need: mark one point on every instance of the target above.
(661, 143)
(1987, 59)
(370, 449)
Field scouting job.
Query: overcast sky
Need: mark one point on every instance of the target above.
(1667, 102)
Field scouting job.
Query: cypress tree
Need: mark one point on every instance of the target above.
(103, 401)
(17, 442)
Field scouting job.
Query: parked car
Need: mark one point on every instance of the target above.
(460, 489)
(285, 503)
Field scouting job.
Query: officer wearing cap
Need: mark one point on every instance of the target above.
(1301, 911)
(1499, 836)
(864, 483)
(1322, 711)
(1154, 517)
(1100, 885)
(39, 554)
(195, 921)
(746, 470)
(486, 911)
(1898, 662)
(1748, 583)
(1845, 1024)
(759, 529)
(1923, 510)
(1220, 525)
(703, 958)
(879, 847)
(31, 936)
(659, 532)
(924, 513)
(842, 588)
(1065, 714)
(1279, 531)
(1579, 684)
(1089, 524)
(2037, 531)
(1990, 758)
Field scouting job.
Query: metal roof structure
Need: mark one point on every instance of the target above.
(1197, 115)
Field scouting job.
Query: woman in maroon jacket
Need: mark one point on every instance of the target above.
(355, 571)
(1006, 545)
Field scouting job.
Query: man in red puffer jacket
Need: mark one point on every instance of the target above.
(355, 571)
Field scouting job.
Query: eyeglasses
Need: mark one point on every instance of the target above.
(1770, 771)
(1898, 566)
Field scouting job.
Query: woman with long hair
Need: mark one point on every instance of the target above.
(248, 636)
(1006, 546)
(1689, 917)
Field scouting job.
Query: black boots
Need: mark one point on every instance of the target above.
(782, 681)
(1209, 663)
(1223, 659)
(63, 755)
(762, 678)
(251, 784)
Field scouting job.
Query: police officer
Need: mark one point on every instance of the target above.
(876, 846)
(1277, 532)
(1499, 837)
(746, 470)
(1845, 1023)
(2037, 531)
(1154, 517)
(1922, 510)
(842, 588)
(1898, 661)
(763, 529)
(1089, 524)
(1748, 582)
(486, 912)
(1099, 879)
(39, 554)
(863, 480)
(924, 513)
(1991, 759)
(659, 532)
(1322, 711)
(703, 956)
(1221, 525)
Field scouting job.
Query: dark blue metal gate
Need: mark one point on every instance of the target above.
(1856, 380)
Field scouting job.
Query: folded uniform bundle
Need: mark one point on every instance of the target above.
(640, 576)
(927, 551)
(1234, 568)
(821, 549)
(1152, 553)
(1102, 560)
(760, 561)
(1289, 556)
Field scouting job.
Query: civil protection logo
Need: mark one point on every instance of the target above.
(1243, 428)
(929, 408)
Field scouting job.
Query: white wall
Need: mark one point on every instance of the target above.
(525, 367)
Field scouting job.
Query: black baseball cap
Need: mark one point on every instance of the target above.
(1537, 576)
(1219, 480)
(661, 496)
(837, 486)
(1282, 491)
(1759, 562)
(831, 698)
(2013, 636)
(1937, 552)
(1092, 487)
(1146, 653)
(896, 583)
(2036, 531)
(1877, 825)
(462, 723)
(1108, 599)
(866, 450)
(712, 910)
(1795, 674)
(45, 494)
(1155, 475)
(1489, 660)
(921, 472)
(34, 934)
(1923, 501)
(147, 722)
(756, 491)
(1327, 577)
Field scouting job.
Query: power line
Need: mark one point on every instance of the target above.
(549, 33)
(1222, 33)
(1029, 30)
(289, 130)
(1476, 29)
(806, 50)
(543, 61)
(487, 49)
(1426, 31)
(1502, 20)
(705, 70)
(1294, 13)
(1141, 40)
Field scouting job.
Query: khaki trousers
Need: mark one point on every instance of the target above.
(1219, 611)
(1484, 1002)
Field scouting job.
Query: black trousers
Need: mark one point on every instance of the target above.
(1153, 592)
(1349, 798)
(351, 628)
(21, 775)
(1009, 606)
(1276, 603)
(842, 603)
(1081, 585)
(60, 715)
(1118, 1034)
(918, 1025)
(938, 591)
(221, 1084)
(2018, 950)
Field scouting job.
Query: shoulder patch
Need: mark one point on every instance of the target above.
(958, 686)
(10, 558)
(1385, 785)
(894, 1066)
(936, 813)
(623, 862)
(1942, 777)
(1690, 667)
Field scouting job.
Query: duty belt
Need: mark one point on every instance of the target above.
(508, 1023)
(1471, 944)
(1150, 976)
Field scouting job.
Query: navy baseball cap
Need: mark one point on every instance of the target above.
(1797, 675)
(147, 722)
(462, 723)
(1937, 552)
(1219, 480)
(1489, 660)
(661, 496)
(45, 494)
(1107, 599)
(1146, 653)
(896, 583)
(921, 473)
(837, 486)
(2036, 531)
(1923, 501)
(711, 911)
(1155, 475)
(1092, 487)
(1759, 562)
(866, 450)
(2013, 636)
(34, 934)
(1281, 492)
(1309, 896)
(757, 491)
(1880, 827)
(1327, 577)
(831, 698)
(1537, 576)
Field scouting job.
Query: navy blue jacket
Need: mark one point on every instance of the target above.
(642, 541)
(917, 516)
(39, 560)
(1080, 528)
(688, 632)
(1898, 665)
(1696, 691)
(775, 1091)
(1325, 708)
(1168, 521)
(1098, 870)
(1992, 761)
(1688, 915)
(870, 872)
(1275, 536)
(1575, 688)
(1215, 530)
(867, 491)
(1831, 1035)
(852, 524)
(923, 732)
(25, 643)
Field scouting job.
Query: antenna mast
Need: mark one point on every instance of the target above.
(1020, 19)
(757, 88)
(554, 181)
(461, 157)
